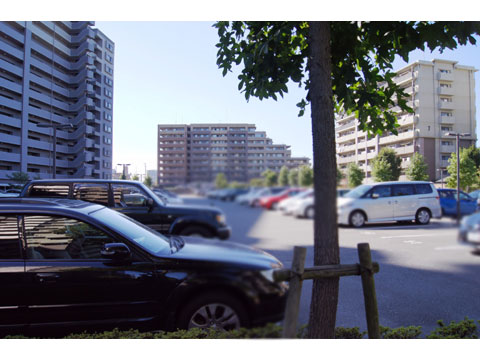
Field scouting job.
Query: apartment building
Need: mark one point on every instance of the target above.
(198, 152)
(55, 73)
(442, 95)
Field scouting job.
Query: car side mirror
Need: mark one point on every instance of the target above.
(375, 196)
(116, 252)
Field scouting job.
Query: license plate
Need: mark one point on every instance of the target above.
(473, 237)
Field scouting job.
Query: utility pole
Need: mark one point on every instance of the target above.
(124, 171)
(457, 136)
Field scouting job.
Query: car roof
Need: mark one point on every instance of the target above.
(401, 182)
(40, 181)
(15, 204)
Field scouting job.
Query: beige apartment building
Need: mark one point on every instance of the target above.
(442, 95)
(198, 152)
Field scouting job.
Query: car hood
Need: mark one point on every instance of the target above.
(199, 249)
(471, 222)
(344, 201)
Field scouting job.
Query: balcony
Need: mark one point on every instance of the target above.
(395, 138)
(447, 119)
(345, 138)
(445, 90)
(404, 150)
(446, 105)
(447, 148)
(346, 160)
(441, 76)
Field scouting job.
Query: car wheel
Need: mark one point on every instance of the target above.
(255, 203)
(357, 219)
(309, 212)
(196, 231)
(422, 217)
(214, 310)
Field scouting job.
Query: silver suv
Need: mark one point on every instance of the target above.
(390, 201)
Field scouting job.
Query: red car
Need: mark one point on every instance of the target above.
(271, 202)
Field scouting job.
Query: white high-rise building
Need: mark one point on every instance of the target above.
(442, 95)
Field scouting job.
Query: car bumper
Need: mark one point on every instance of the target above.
(223, 233)
(342, 217)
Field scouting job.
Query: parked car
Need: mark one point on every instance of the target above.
(389, 201)
(136, 200)
(69, 265)
(271, 202)
(254, 200)
(288, 205)
(305, 207)
(245, 198)
(8, 194)
(231, 194)
(168, 197)
(476, 195)
(448, 202)
(469, 232)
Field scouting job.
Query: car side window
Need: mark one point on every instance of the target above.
(10, 247)
(126, 196)
(443, 194)
(423, 188)
(56, 237)
(403, 190)
(381, 192)
(464, 196)
(96, 193)
(49, 190)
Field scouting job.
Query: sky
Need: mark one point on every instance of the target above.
(166, 73)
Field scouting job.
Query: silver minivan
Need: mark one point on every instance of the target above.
(389, 201)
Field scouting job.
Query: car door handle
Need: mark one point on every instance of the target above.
(47, 277)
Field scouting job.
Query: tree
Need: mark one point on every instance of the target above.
(340, 176)
(355, 175)
(293, 177)
(341, 65)
(237, 185)
(386, 166)
(257, 182)
(221, 181)
(270, 177)
(19, 177)
(468, 171)
(418, 168)
(123, 177)
(305, 176)
(283, 176)
(148, 181)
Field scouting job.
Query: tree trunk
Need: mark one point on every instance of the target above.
(323, 308)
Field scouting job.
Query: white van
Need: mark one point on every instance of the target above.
(389, 201)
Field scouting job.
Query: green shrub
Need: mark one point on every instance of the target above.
(349, 333)
(410, 332)
(464, 329)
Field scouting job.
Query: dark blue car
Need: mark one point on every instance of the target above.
(448, 202)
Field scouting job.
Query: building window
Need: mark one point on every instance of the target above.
(109, 58)
(446, 113)
(109, 46)
(108, 81)
(106, 152)
(107, 104)
(107, 129)
(107, 116)
(108, 69)
(108, 93)
(107, 140)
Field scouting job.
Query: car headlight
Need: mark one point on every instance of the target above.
(221, 219)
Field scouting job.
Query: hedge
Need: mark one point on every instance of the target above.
(464, 329)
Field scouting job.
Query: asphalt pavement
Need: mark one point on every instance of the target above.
(425, 275)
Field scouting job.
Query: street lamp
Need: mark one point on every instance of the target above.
(55, 127)
(457, 136)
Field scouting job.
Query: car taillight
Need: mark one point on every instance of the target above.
(438, 197)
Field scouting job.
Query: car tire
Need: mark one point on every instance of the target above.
(357, 219)
(309, 212)
(255, 203)
(196, 231)
(216, 310)
(423, 216)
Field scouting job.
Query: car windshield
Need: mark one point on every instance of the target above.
(143, 236)
(358, 192)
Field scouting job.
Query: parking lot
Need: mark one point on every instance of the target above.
(425, 275)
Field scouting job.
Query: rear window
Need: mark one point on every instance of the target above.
(9, 242)
(49, 190)
(95, 193)
(423, 188)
